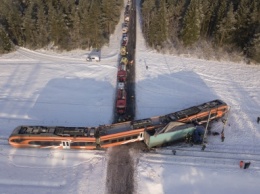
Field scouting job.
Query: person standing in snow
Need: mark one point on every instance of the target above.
(241, 164)
(222, 137)
(203, 147)
(247, 164)
(258, 120)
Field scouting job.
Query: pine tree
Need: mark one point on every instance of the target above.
(76, 26)
(110, 15)
(242, 34)
(226, 28)
(84, 24)
(5, 42)
(14, 20)
(192, 23)
(162, 19)
(57, 24)
(148, 13)
(254, 48)
(208, 23)
(29, 26)
(174, 15)
(220, 13)
(42, 26)
(95, 28)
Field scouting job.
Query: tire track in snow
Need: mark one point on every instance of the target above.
(31, 183)
(44, 57)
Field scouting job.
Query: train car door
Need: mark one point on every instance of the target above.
(65, 144)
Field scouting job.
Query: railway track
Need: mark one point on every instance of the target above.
(222, 148)
(4, 141)
(196, 157)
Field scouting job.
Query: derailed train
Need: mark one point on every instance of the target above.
(154, 131)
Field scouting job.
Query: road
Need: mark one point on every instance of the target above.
(121, 165)
(130, 81)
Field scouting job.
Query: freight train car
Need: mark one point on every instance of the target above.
(173, 132)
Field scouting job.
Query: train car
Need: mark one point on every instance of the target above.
(123, 133)
(174, 131)
(53, 137)
(200, 114)
(115, 134)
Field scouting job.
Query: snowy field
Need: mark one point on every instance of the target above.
(47, 88)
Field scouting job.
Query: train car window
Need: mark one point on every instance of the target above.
(90, 143)
(75, 144)
(17, 140)
(78, 144)
(142, 123)
(35, 143)
(127, 138)
(106, 141)
(23, 130)
(172, 117)
(114, 141)
(121, 139)
(213, 115)
(45, 143)
(55, 143)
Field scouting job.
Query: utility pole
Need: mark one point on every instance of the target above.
(206, 130)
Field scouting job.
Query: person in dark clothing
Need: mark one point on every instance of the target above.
(247, 164)
(215, 133)
(258, 120)
(203, 147)
(198, 133)
(195, 123)
(222, 137)
(174, 152)
(188, 138)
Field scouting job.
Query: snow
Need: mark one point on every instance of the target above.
(44, 87)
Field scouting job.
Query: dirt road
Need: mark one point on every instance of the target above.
(121, 168)
(120, 171)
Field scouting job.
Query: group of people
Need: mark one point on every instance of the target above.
(244, 165)
(189, 139)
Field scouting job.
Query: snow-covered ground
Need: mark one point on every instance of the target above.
(47, 88)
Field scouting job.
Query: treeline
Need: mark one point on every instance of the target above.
(232, 24)
(66, 24)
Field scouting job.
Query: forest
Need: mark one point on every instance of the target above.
(229, 25)
(233, 25)
(66, 24)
